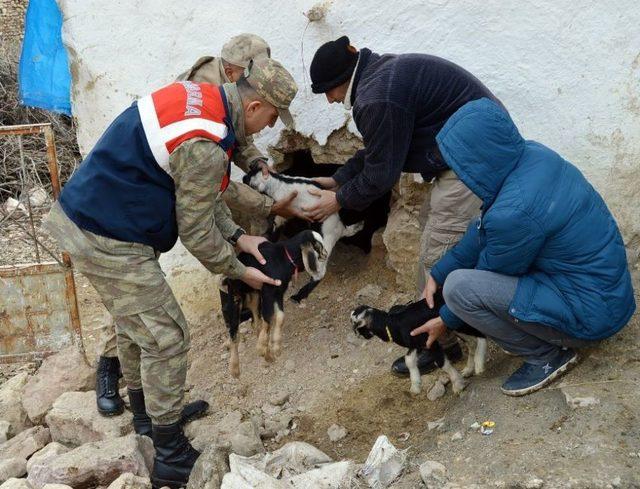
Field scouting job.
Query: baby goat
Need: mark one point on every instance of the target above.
(304, 251)
(397, 324)
(278, 186)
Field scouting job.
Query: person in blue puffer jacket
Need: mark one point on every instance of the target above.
(543, 270)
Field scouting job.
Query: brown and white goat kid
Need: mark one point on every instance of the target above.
(284, 259)
(396, 326)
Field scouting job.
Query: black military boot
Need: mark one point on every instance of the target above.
(425, 361)
(107, 396)
(142, 421)
(174, 456)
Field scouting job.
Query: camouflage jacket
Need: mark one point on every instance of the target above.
(204, 220)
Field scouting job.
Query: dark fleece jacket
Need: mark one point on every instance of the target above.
(400, 102)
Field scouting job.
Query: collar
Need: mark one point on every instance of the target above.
(347, 97)
(295, 267)
(236, 112)
(363, 61)
(389, 337)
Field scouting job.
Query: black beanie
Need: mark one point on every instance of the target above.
(332, 65)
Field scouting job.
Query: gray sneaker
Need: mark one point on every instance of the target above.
(530, 378)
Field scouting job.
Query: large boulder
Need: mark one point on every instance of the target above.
(74, 420)
(52, 450)
(25, 443)
(12, 467)
(65, 371)
(5, 430)
(130, 481)
(210, 468)
(14, 483)
(96, 464)
(401, 237)
(11, 409)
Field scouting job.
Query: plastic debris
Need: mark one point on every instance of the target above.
(487, 427)
(384, 464)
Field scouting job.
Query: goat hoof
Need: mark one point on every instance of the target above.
(269, 357)
(458, 387)
(467, 372)
(235, 372)
(415, 390)
(479, 371)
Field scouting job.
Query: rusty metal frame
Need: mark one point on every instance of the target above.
(70, 289)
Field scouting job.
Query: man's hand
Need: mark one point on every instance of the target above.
(262, 164)
(327, 183)
(434, 328)
(326, 205)
(254, 278)
(249, 244)
(285, 208)
(429, 289)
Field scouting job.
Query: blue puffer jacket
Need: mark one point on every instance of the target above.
(541, 221)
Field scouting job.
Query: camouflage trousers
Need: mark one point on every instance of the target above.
(152, 333)
(450, 206)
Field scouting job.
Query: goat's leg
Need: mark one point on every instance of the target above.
(411, 360)
(481, 355)
(263, 339)
(470, 368)
(457, 382)
(276, 332)
(267, 311)
(234, 359)
(253, 304)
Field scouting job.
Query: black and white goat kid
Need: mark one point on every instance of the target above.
(284, 259)
(278, 186)
(396, 326)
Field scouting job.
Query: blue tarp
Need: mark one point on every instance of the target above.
(43, 75)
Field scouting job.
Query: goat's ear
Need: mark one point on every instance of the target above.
(310, 259)
(318, 244)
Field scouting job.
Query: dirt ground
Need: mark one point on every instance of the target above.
(334, 377)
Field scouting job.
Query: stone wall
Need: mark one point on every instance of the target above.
(568, 72)
(12, 20)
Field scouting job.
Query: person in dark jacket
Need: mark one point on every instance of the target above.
(543, 270)
(399, 102)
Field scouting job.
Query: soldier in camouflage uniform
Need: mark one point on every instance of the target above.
(249, 208)
(125, 204)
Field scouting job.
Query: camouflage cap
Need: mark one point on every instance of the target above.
(241, 49)
(273, 83)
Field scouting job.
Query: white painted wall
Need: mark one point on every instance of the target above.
(568, 71)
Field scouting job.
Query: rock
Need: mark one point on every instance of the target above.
(209, 469)
(53, 449)
(279, 398)
(457, 436)
(56, 486)
(12, 204)
(11, 410)
(438, 424)
(436, 392)
(336, 432)
(5, 429)
(204, 433)
(12, 467)
(98, 463)
(273, 425)
(269, 409)
(368, 292)
(14, 483)
(130, 481)
(402, 234)
(38, 197)
(246, 441)
(63, 372)
(74, 420)
(433, 473)
(616, 482)
(25, 444)
(384, 463)
(534, 484)
(579, 396)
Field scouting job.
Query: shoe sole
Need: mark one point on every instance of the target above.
(109, 414)
(561, 370)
